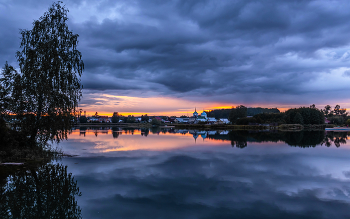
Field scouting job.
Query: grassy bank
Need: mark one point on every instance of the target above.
(309, 127)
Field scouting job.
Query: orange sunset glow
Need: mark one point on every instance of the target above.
(133, 140)
(106, 104)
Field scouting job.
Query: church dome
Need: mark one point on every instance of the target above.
(195, 114)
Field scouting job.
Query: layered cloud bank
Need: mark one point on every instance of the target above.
(204, 53)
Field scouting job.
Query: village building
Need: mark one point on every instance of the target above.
(182, 120)
(211, 120)
(224, 121)
(203, 118)
(103, 119)
(195, 114)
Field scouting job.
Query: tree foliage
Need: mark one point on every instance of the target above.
(129, 119)
(237, 112)
(246, 121)
(270, 118)
(347, 122)
(82, 119)
(10, 90)
(145, 118)
(225, 113)
(298, 119)
(115, 117)
(327, 110)
(308, 116)
(258, 110)
(45, 94)
(337, 111)
(156, 122)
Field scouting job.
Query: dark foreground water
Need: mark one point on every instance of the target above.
(191, 174)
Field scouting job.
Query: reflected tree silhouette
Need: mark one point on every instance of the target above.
(238, 138)
(46, 192)
(337, 138)
(302, 139)
(155, 130)
(305, 138)
(144, 132)
(116, 134)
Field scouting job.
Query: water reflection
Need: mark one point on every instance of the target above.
(337, 138)
(46, 192)
(169, 173)
(215, 184)
(239, 139)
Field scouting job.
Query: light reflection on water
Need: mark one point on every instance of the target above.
(195, 174)
(209, 175)
(105, 141)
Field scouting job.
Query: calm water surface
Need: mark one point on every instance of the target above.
(217, 174)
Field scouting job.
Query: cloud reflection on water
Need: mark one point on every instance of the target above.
(209, 179)
(207, 185)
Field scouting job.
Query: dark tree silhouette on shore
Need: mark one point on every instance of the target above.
(44, 95)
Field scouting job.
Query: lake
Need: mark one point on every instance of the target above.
(168, 173)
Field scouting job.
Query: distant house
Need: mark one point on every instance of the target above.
(92, 119)
(224, 121)
(192, 119)
(171, 119)
(211, 120)
(103, 119)
(182, 120)
(158, 118)
(179, 120)
(201, 119)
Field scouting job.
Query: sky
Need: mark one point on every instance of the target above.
(167, 57)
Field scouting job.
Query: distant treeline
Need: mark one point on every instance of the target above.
(303, 115)
(225, 113)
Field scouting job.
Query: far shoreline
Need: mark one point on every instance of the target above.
(283, 127)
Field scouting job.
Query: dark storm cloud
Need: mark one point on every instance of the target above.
(276, 51)
(208, 185)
